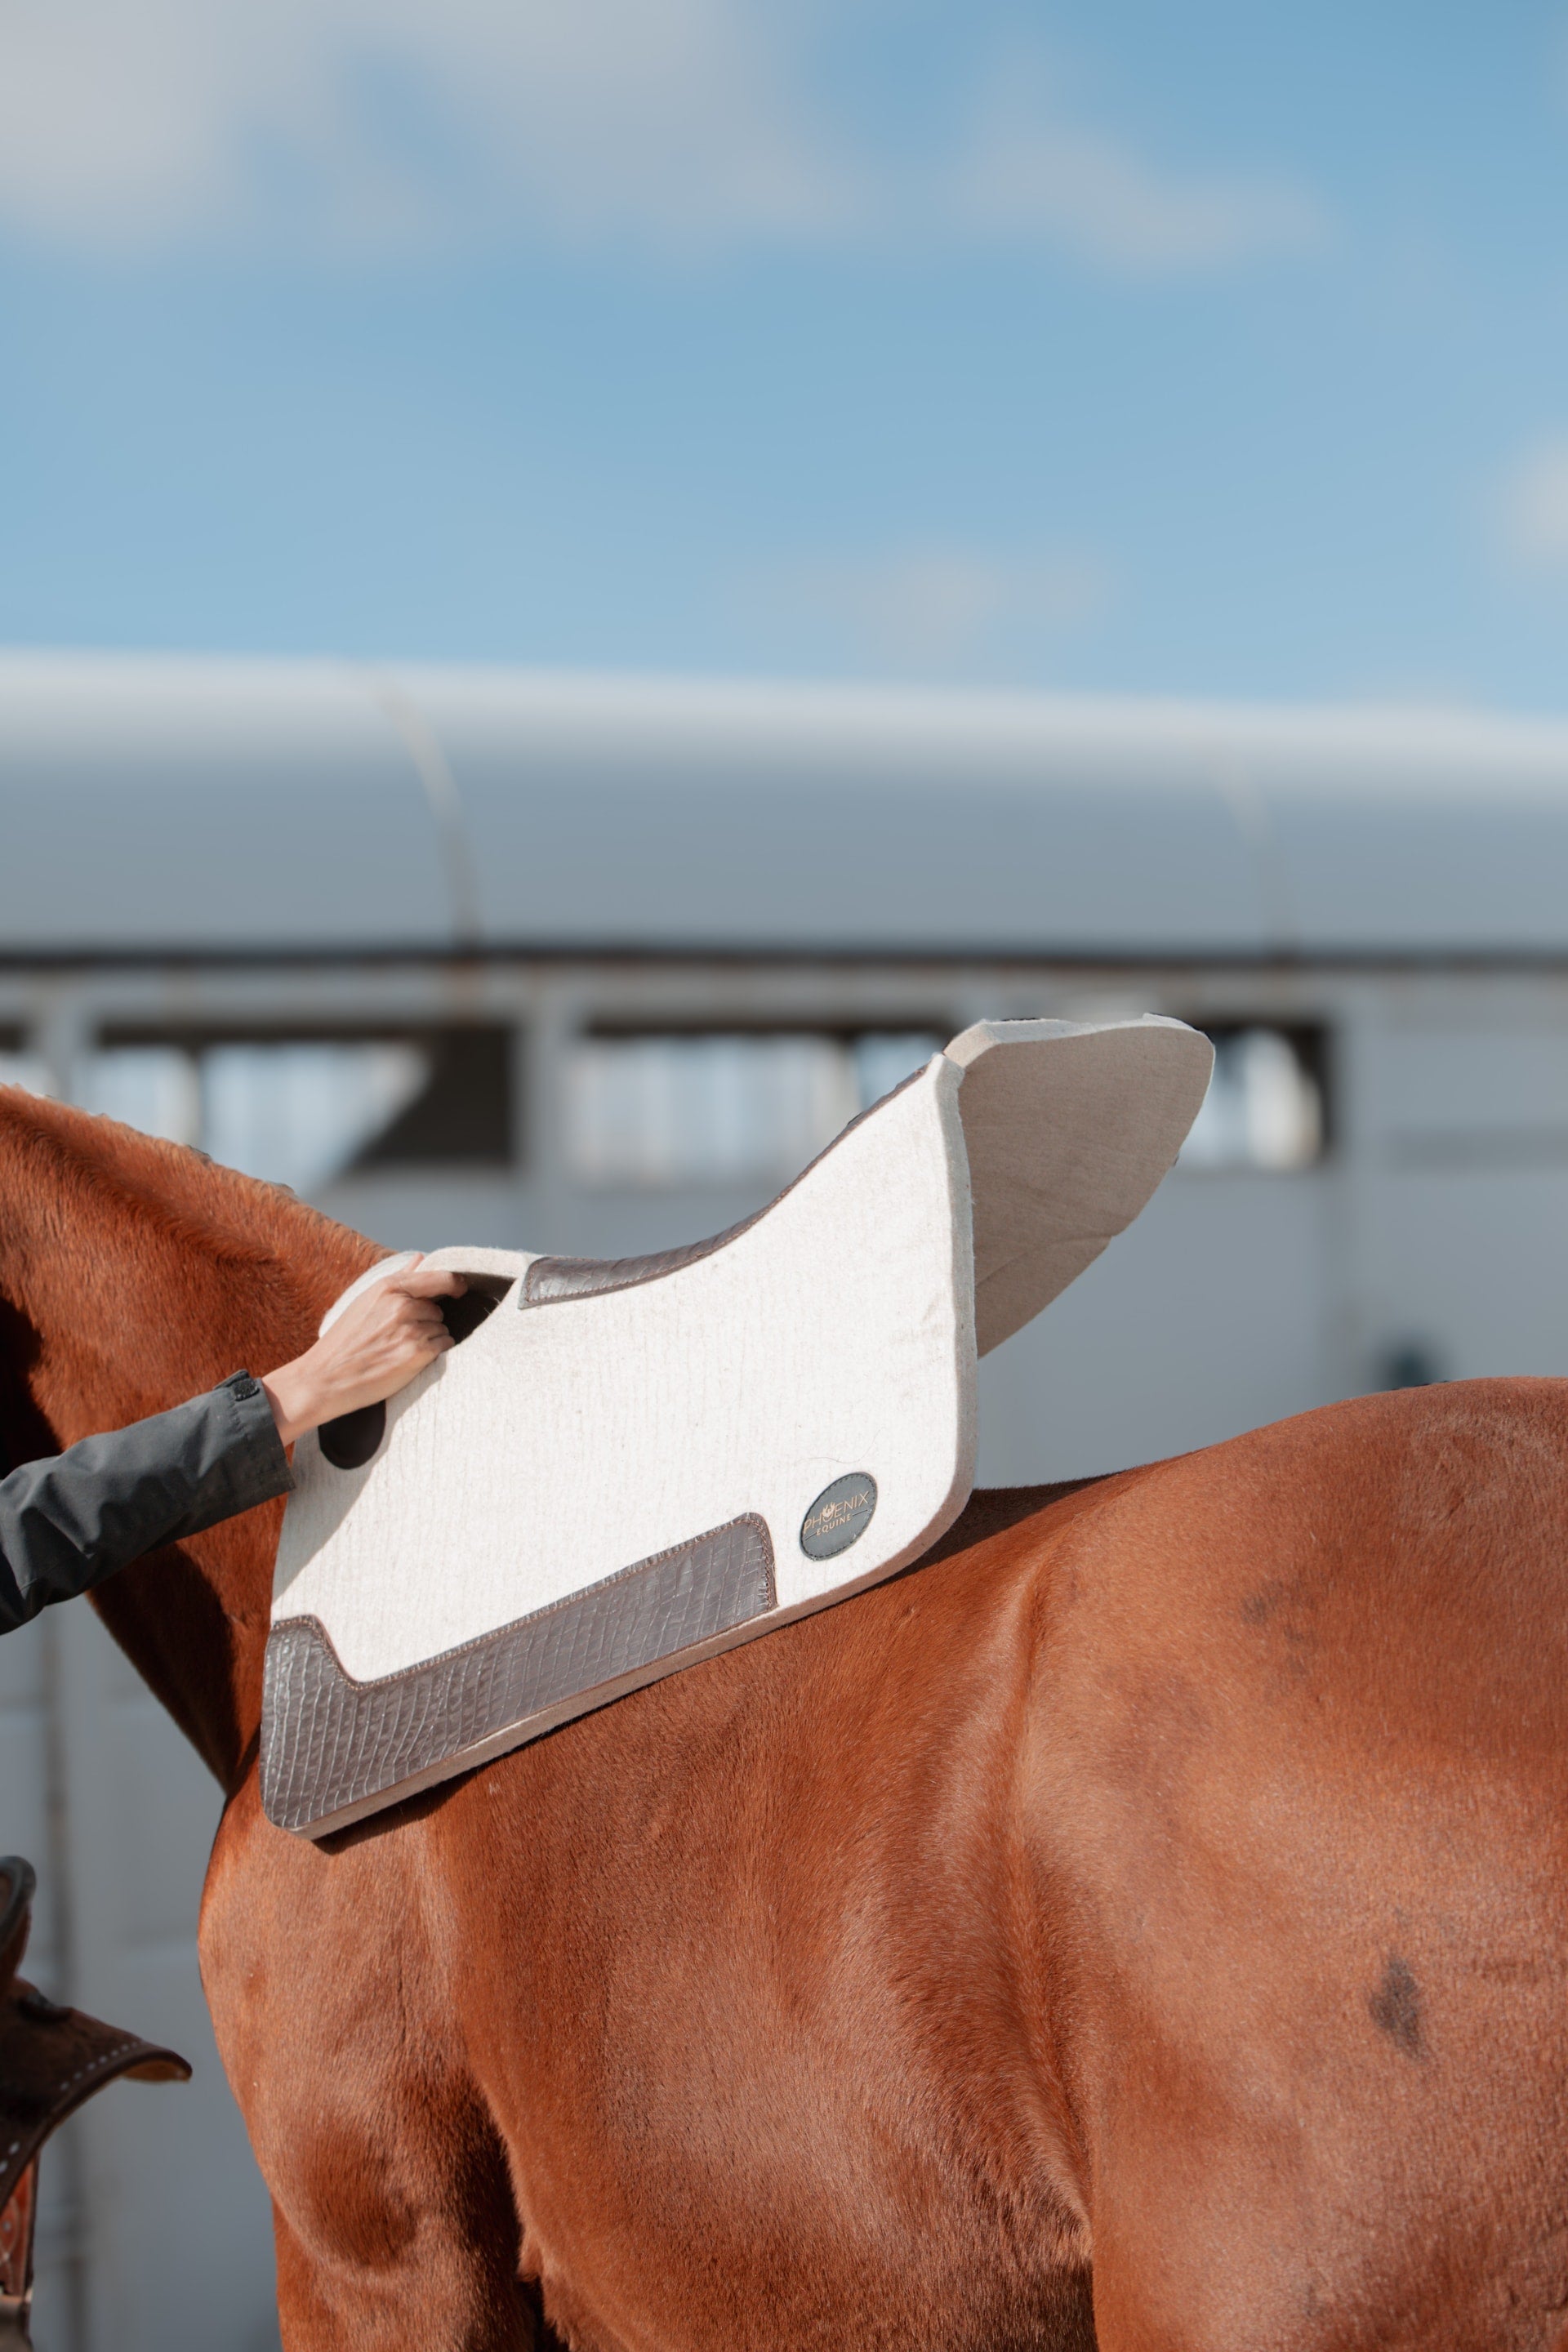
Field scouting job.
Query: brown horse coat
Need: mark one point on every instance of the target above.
(1146, 1922)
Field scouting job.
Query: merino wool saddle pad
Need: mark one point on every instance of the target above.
(627, 1465)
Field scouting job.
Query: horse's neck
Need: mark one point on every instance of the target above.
(133, 1275)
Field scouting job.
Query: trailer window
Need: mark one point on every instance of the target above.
(1268, 1106)
(302, 1110)
(719, 1106)
(19, 1067)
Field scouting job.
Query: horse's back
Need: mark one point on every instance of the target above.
(1170, 1878)
(1299, 1797)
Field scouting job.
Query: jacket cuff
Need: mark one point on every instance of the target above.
(258, 1467)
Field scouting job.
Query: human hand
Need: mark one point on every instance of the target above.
(374, 1348)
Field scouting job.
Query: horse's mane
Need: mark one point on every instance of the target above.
(177, 1194)
(134, 1273)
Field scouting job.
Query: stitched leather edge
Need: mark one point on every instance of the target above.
(329, 1742)
(49, 2064)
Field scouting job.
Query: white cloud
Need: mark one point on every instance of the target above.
(1533, 509)
(396, 120)
(672, 123)
(1031, 177)
(946, 610)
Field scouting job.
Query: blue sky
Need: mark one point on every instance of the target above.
(1212, 351)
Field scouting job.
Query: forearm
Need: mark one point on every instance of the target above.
(68, 1522)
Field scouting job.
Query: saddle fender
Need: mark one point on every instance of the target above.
(52, 2061)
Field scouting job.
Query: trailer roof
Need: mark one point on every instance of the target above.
(201, 805)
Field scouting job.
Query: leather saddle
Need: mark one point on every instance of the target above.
(52, 2060)
(629, 1464)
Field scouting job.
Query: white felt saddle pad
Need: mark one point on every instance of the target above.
(630, 1466)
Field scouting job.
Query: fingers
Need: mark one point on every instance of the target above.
(412, 1293)
(411, 1321)
(374, 1349)
(406, 1307)
(390, 1328)
(436, 1282)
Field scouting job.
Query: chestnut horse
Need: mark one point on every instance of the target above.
(1144, 1924)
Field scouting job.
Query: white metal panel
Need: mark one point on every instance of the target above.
(23, 1778)
(626, 813)
(1388, 872)
(29, 1825)
(176, 2237)
(1454, 1094)
(278, 806)
(1215, 1312)
(1463, 1185)
(1470, 1269)
(225, 806)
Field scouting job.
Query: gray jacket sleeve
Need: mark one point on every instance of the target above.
(68, 1522)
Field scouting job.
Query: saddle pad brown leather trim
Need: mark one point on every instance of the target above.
(332, 1745)
(583, 1277)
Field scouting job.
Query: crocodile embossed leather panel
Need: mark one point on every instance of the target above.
(329, 1743)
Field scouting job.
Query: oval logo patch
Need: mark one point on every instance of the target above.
(839, 1517)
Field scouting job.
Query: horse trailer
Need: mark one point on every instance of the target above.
(595, 966)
